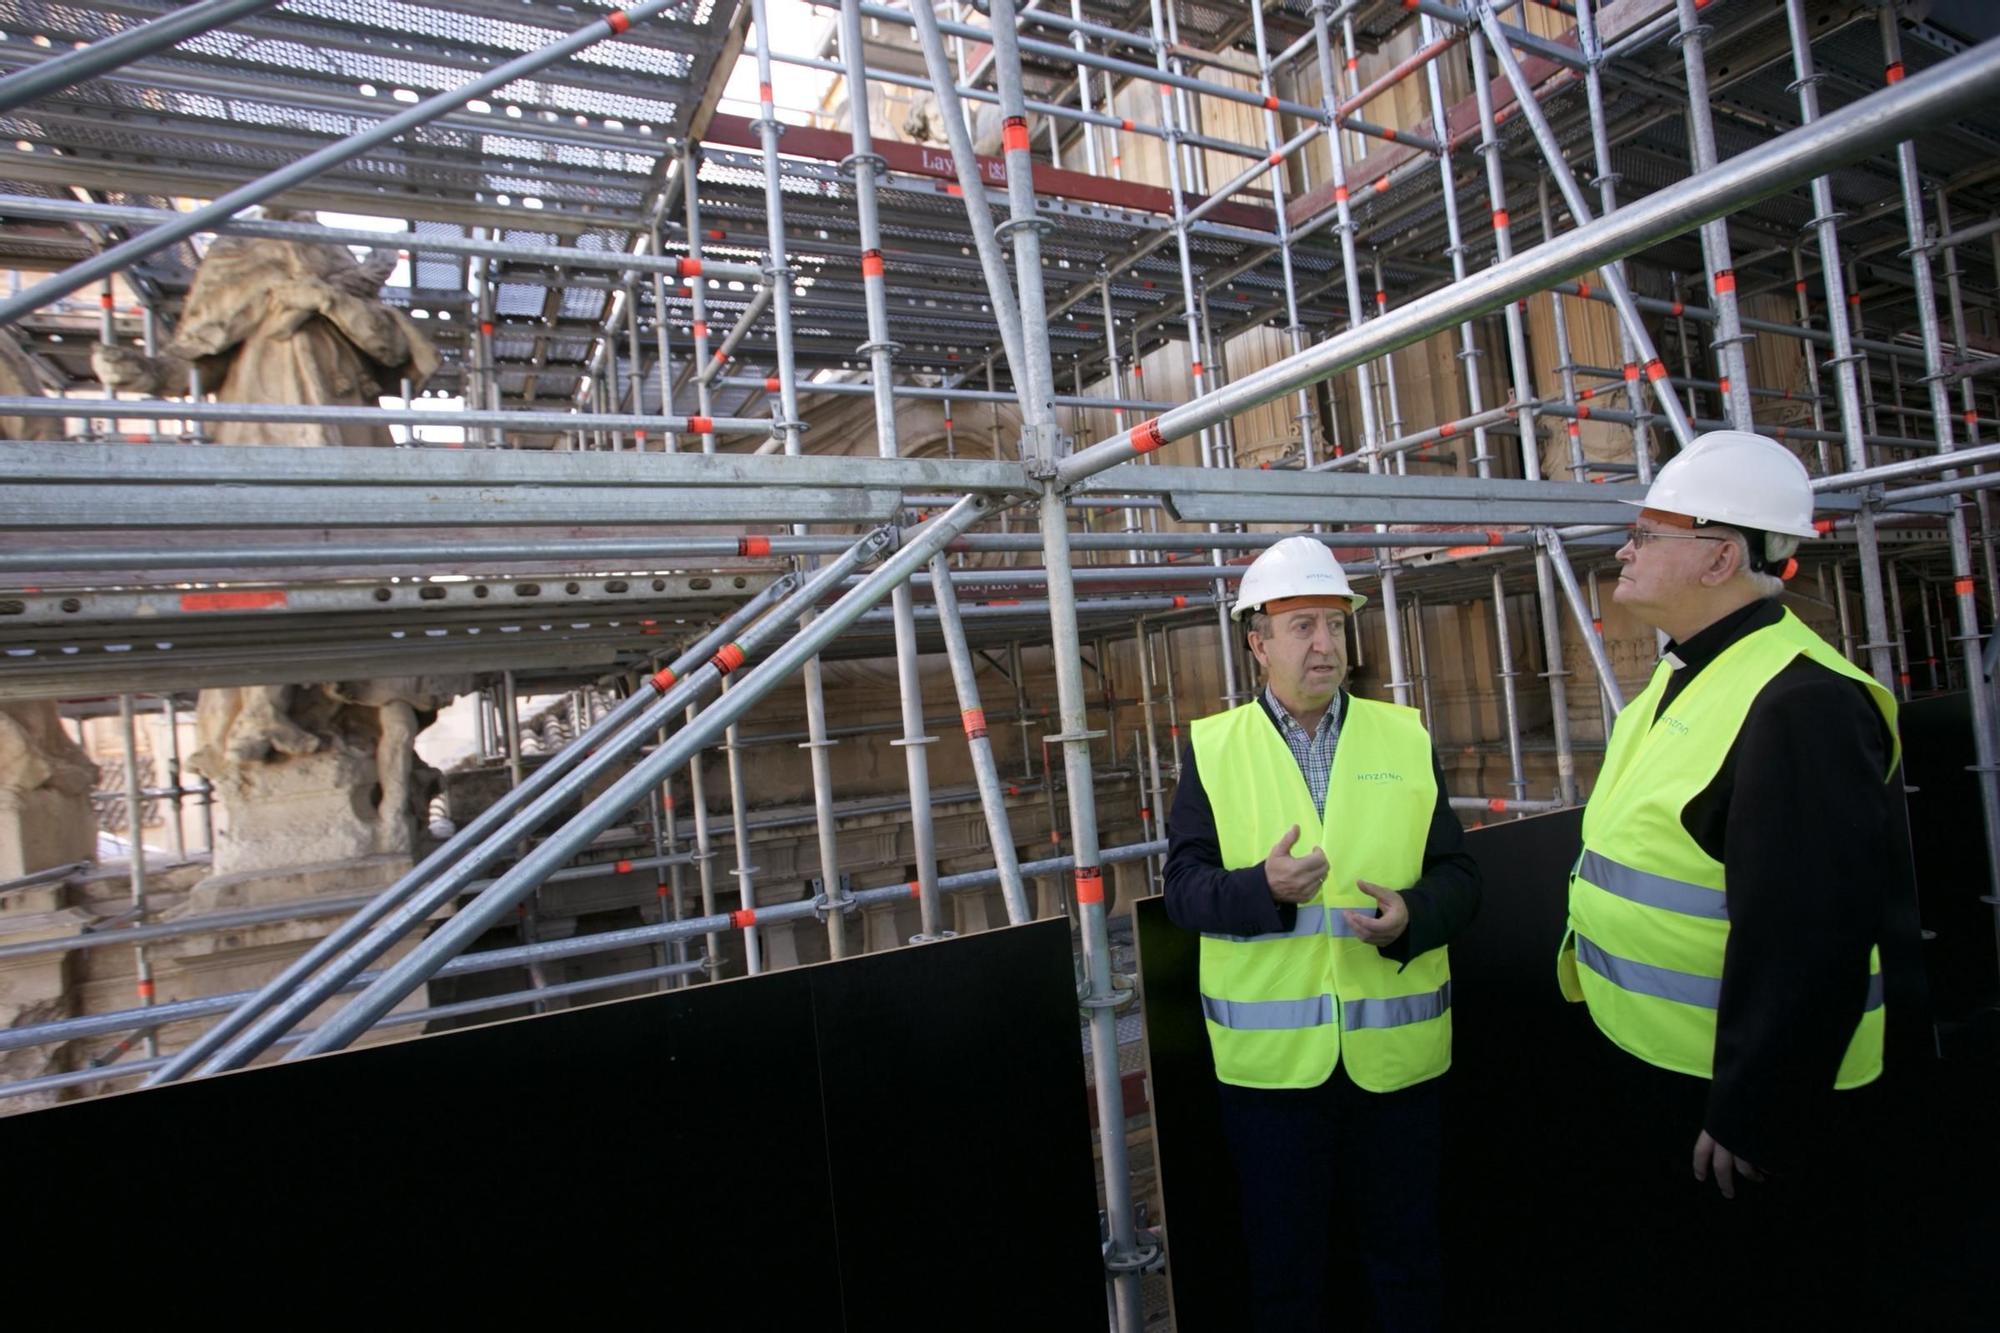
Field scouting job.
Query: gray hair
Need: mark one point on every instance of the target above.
(1777, 547)
(1260, 623)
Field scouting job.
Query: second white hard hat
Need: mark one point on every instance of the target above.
(1738, 479)
(1294, 567)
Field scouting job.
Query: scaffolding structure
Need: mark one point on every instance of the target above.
(646, 304)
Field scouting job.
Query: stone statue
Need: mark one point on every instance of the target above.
(279, 321)
(925, 124)
(293, 763)
(45, 785)
(18, 380)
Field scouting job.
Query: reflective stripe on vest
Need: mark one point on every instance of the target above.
(1650, 890)
(1666, 984)
(1269, 1015)
(1313, 919)
(1395, 1011)
(1317, 1011)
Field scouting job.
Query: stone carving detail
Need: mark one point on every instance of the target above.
(45, 785)
(314, 773)
(274, 321)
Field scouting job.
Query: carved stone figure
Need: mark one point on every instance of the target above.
(277, 321)
(925, 124)
(45, 785)
(18, 379)
(313, 773)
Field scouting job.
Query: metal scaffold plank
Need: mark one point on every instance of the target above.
(277, 505)
(152, 465)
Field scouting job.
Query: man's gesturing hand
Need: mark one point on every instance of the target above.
(1391, 920)
(1294, 879)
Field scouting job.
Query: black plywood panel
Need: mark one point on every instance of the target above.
(958, 1136)
(669, 1157)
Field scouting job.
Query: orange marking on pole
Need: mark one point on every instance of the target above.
(623, 867)
(1572, 429)
(233, 601)
(1014, 134)
(1180, 603)
(727, 658)
(1962, 587)
(1582, 394)
(145, 990)
(1822, 526)
(1382, 185)
(1725, 281)
(743, 918)
(1340, 194)
(104, 299)
(753, 546)
(1583, 290)
(1496, 805)
(1722, 385)
(1631, 370)
(1447, 429)
(916, 889)
(1799, 286)
(871, 263)
(1146, 436)
(1197, 368)
(687, 267)
(1894, 74)
(1656, 370)
(618, 21)
(1270, 104)
(701, 425)
(974, 722)
(663, 679)
(701, 328)
(1124, 125)
(719, 356)
(1499, 218)
(1089, 884)
(771, 384)
(1583, 414)
(716, 233)
(954, 190)
(1275, 158)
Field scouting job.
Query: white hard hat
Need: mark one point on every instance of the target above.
(1738, 479)
(1294, 567)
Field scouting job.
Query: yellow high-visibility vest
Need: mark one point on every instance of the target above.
(1648, 911)
(1284, 1009)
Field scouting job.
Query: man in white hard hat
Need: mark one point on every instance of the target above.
(1738, 851)
(1312, 844)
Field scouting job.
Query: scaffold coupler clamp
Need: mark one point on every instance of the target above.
(824, 906)
(710, 963)
(1147, 1255)
(878, 165)
(1124, 990)
(1041, 225)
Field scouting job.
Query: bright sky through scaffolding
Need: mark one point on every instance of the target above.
(799, 29)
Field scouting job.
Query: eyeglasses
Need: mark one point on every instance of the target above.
(1639, 536)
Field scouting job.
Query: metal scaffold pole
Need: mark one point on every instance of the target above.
(1847, 363)
(1964, 586)
(880, 350)
(633, 786)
